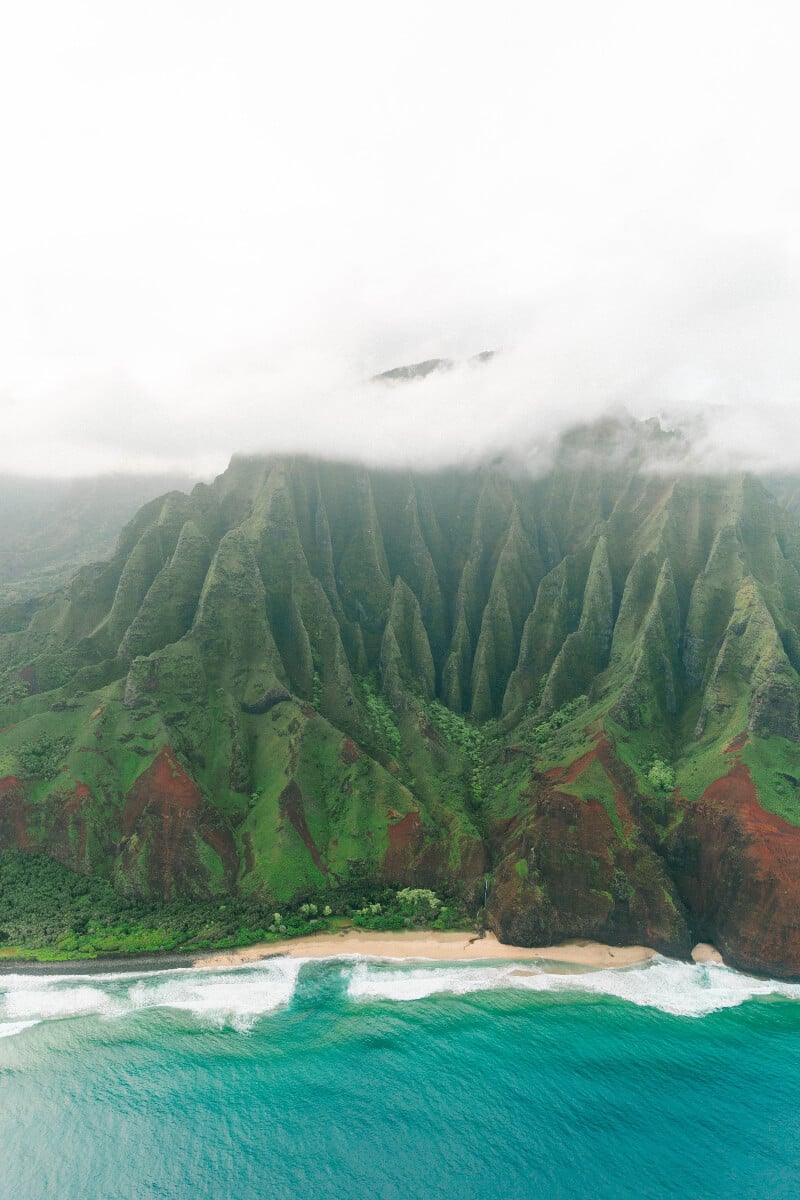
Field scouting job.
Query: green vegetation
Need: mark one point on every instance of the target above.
(43, 758)
(594, 784)
(775, 767)
(471, 740)
(660, 776)
(381, 720)
(47, 911)
(12, 687)
(310, 687)
(409, 908)
(543, 732)
(458, 731)
(50, 913)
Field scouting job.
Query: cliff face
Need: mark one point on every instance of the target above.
(308, 673)
(739, 870)
(577, 862)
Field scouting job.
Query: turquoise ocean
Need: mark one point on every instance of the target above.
(352, 1078)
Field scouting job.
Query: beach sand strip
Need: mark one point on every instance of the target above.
(452, 946)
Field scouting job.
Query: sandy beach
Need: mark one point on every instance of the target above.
(445, 947)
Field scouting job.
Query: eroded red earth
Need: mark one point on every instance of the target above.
(567, 872)
(164, 813)
(603, 754)
(292, 805)
(405, 842)
(13, 825)
(349, 752)
(740, 871)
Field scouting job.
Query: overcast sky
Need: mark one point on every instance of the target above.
(218, 219)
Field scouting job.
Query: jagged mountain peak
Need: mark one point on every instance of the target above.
(409, 372)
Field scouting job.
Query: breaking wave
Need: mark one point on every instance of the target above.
(10, 1028)
(237, 997)
(680, 989)
(234, 997)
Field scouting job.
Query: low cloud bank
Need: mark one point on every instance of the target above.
(710, 351)
(292, 201)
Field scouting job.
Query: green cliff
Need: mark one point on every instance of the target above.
(573, 697)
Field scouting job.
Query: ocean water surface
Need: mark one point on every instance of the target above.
(353, 1077)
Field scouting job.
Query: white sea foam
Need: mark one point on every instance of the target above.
(49, 1002)
(682, 989)
(11, 1028)
(237, 997)
(374, 981)
(232, 996)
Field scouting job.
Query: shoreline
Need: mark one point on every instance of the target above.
(422, 945)
(102, 965)
(431, 945)
(404, 945)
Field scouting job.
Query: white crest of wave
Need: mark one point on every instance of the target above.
(375, 981)
(12, 1028)
(681, 989)
(234, 996)
(49, 1002)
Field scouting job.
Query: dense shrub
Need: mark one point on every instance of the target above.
(45, 907)
(661, 776)
(382, 723)
(545, 729)
(471, 739)
(42, 759)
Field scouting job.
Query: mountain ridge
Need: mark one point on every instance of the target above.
(310, 673)
(53, 526)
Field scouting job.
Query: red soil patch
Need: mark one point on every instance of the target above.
(593, 883)
(601, 752)
(405, 840)
(292, 805)
(69, 812)
(589, 819)
(219, 838)
(570, 774)
(13, 827)
(736, 791)
(567, 839)
(609, 762)
(349, 752)
(165, 809)
(249, 856)
(166, 782)
(745, 880)
(82, 792)
(738, 743)
(59, 816)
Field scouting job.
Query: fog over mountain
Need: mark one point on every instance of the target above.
(220, 226)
